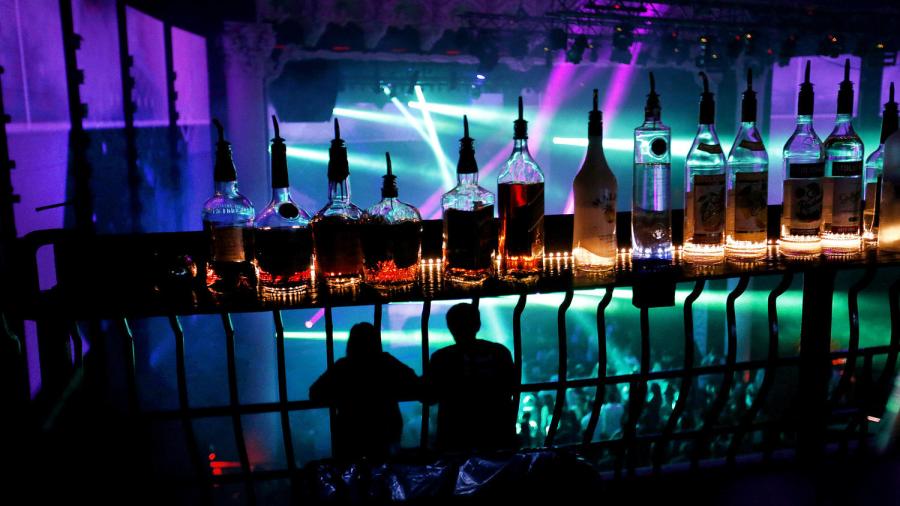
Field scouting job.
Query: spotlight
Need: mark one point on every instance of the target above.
(623, 38)
(595, 51)
(557, 39)
(832, 45)
(486, 51)
(576, 53)
(480, 77)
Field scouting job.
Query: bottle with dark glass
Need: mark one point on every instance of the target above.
(748, 186)
(392, 240)
(228, 223)
(651, 204)
(469, 246)
(520, 191)
(843, 176)
(337, 227)
(875, 169)
(283, 237)
(804, 169)
(704, 188)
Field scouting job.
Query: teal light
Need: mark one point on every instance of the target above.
(376, 117)
(321, 156)
(680, 147)
(475, 112)
(439, 155)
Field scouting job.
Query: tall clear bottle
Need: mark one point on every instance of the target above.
(469, 247)
(337, 227)
(283, 238)
(804, 169)
(228, 224)
(520, 192)
(704, 188)
(392, 239)
(843, 178)
(746, 203)
(595, 190)
(651, 205)
(874, 171)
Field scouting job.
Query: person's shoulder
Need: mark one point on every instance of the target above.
(444, 352)
(492, 346)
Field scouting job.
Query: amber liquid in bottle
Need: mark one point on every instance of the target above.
(521, 226)
(338, 248)
(283, 256)
(469, 242)
(391, 252)
(230, 265)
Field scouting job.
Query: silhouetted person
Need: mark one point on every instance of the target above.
(364, 387)
(472, 382)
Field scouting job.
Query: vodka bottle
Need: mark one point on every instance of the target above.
(874, 169)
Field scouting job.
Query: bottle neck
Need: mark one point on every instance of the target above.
(805, 123)
(281, 194)
(706, 130)
(595, 145)
(520, 146)
(229, 188)
(339, 191)
(843, 125)
(467, 178)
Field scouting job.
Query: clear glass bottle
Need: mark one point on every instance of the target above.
(595, 190)
(283, 239)
(874, 170)
(804, 169)
(228, 224)
(520, 194)
(889, 210)
(842, 206)
(746, 201)
(704, 188)
(337, 227)
(651, 206)
(392, 238)
(469, 247)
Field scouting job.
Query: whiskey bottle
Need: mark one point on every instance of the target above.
(804, 168)
(469, 247)
(595, 189)
(843, 178)
(874, 170)
(283, 237)
(704, 188)
(228, 224)
(746, 202)
(392, 240)
(520, 192)
(651, 208)
(337, 226)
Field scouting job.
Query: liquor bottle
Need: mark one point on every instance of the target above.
(874, 169)
(520, 192)
(228, 224)
(468, 221)
(283, 238)
(651, 208)
(337, 226)
(889, 210)
(392, 238)
(843, 178)
(804, 168)
(595, 189)
(704, 188)
(746, 202)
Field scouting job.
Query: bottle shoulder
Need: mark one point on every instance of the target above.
(392, 211)
(706, 151)
(228, 207)
(345, 211)
(521, 168)
(282, 215)
(467, 196)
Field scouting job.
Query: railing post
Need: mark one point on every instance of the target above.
(815, 364)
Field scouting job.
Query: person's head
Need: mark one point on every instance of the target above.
(363, 341)
(463, 321)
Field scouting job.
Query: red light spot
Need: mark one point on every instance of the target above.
(453, 52)
(340, 48)
(212, 456)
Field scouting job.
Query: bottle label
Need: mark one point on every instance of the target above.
(227, 244)
(752, 145)
(815, 169)
(750, 202)
(841, 169)
(805, 199)
(709, 208)
(595, 219)
(845, 215)
(469, 238)
(710, 148)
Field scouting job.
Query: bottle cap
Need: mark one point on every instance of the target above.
(707, 103)
(652, 109)
(845, 93)
(595, 120)
(520, 126)
(389, 184)
(224, 170)
(467, 163)
(279, 159)
(807, 98)
(748, 100)
(338, 167)
(890, 119)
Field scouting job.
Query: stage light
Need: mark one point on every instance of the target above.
(480, 77)
(622, 39)
(576, 53)
(557, 39)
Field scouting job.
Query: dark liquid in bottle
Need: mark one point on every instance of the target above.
(521, 226)
(468, 236)
(391, 252)
(229, 267)
(338, 248)
(284, 256)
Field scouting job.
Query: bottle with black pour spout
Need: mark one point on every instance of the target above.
(875, 170)
(520, 192)
(337, 227)
(283, 238)
(469, 237)
(228, 224)
(392, 241)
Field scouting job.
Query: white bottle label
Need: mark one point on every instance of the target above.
(750, 202)
(709, 208)
(595, 217)
(845, 215)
